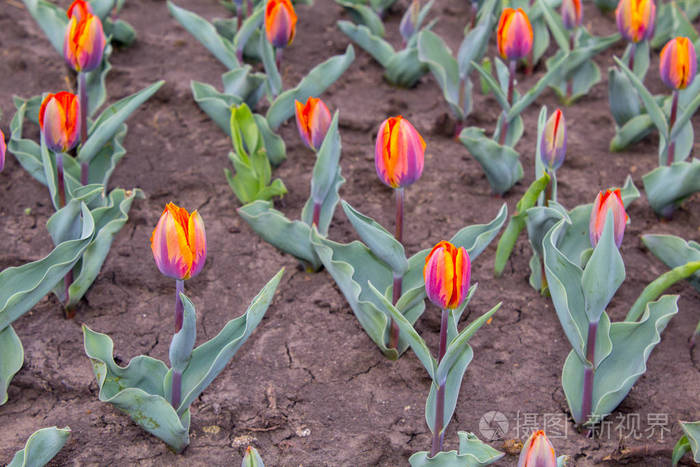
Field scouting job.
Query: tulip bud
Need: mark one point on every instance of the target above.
(3, 148)
(84, 41)
(313, 120)
(635, 19)
(398, 153)
(553, 142)
(407, 27)
(447, 273)
(678, 63)
(59, 119)
(179, 243)
(571, 13)
(610, 200)
(514, 34)
(79, 9)
(537, 452)
(280, 22)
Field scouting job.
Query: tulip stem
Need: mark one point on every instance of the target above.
(671, 122)
(317, 214)
(511, 86)
(570, 83)
(589, 373)
(61, 180)
(239, 16)
(249, 7)
(399, 214)
(398, 280)
(83, 96)
(176, 395)
(179, 308)
(633, 52)
(475, 12)
(438, 435)
(278, 57)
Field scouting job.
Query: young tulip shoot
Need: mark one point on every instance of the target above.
(537, 452)
(604, 202)
(280, 25)
(447, 273)
(313, 120)
(179, 246)
(398, 158)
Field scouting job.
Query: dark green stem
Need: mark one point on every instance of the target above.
(671, 122)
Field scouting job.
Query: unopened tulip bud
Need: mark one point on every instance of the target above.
(313, 120)
(514, 34)
(398, 153)
(407, 27)
(553, 142)
(280, 22)
(179, 243)
(610, 200)
(79, 9)
(537, 452)
(678, 64)
(635, 19)
(571, 13)
(447, 274)
(84, 41)
(59, 119)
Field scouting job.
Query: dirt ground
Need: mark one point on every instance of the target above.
(309, 387)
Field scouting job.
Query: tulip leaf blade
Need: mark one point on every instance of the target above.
(252, 458)
(215, 104)
(51, 18)
(690, 441)
(434, 52)
(501, 164)
(674, 252)
(632, 131)
(372, 43)
(666, 187)
(529, 97)
(182, 342)
(655, 113)
(623, 99)
(41, 447)
(11, 359)
(273, 82)
(364, 15)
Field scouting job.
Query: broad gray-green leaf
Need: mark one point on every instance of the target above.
(183, 341)
(633, 130)
(326, 167)
(52, 20)
(137, 390)
(690, 441)
(215, 104)
(655, 113)
(111, 119)
(23, 286)
(252, 458)
(501, 164)
(364, 15)
(474, 44)
(666, 187)
(206, 33)
(41, 447)
(11, 359)
(210, 358)
(372, 43)
(433, 51)
(641, 58)
(26, 151)
(273, 82)
(684, 117)
(250, 27)
(380, 242)
(533, 93)
(632, 342)
(245, 84)
(96, 82)
(471, 446)
(674, 252)
(312, 85)
(494, 86)
(405, 69)
(623, 98)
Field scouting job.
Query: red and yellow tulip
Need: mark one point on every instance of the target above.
(635, 19)
(571, 13)
(514, 34)
(553, 144)
(179, 243)
(313, 120)
(678, 64)
(84, 41)
(610, 200)
(280, 22)
(79, 9)
(537, 452)
(59, 119)
(398, 153)
(447, 273)
(3, 148)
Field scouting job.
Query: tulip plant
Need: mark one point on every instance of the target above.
(252, 458)
(157, 397)
(446, 274)
(452, 74)
(293, 237)
(579, 73)
(690, 441)
(497, 156)
(676, 178)
(87, 216)
(538, 451)
(402, 67)
(368, 12)
(41, 447)
(607, 358)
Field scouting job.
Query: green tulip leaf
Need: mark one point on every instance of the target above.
(501, 164)
(11, 359)
(273, 82)
(472, 453)
(369, 41)
(245, 84)
(655, 112)
(41, 447)
(405, 69)
(533, 93)
(26, 151)
(96, 82)
(674, 252)
(252, 458)
(364, 15)
(433, 52)
(52, 20)
(312, 85)
(632, 131)
(473, 46)
(641, 58)
(182, 343)
(215, 104)
(690, 441)
(624, 102)
(666, 187)
(246, 35)
(327, 164)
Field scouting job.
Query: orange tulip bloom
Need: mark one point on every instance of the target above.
(84, 41)
(179, 243)
(635, 19)
(313, 120)
(59, 119)
(571, 13)
(447, 273)
(80, 9)
(398, 153)
(514, 34)
(280, 22)
(678, 63)
(610, 200)
(537, 452)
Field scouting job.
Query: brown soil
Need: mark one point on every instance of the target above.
(309, 387)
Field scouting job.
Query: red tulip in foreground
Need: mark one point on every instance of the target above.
(537, 452)
(610, 200)
(398, 157)
(313, 120)
(447, 274)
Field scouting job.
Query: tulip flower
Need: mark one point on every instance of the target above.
(398, 159)
(447, 274)
(3, 148)
(79, 9)
(59, 117)
(635, 19)
(554, 141)
(313, 120)
(84, 40)
(571, 14)
(280, 22)
(407, 27)
(514, 34)
(678, 63)
(610, 200)
(179, 243)
(537, 452)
